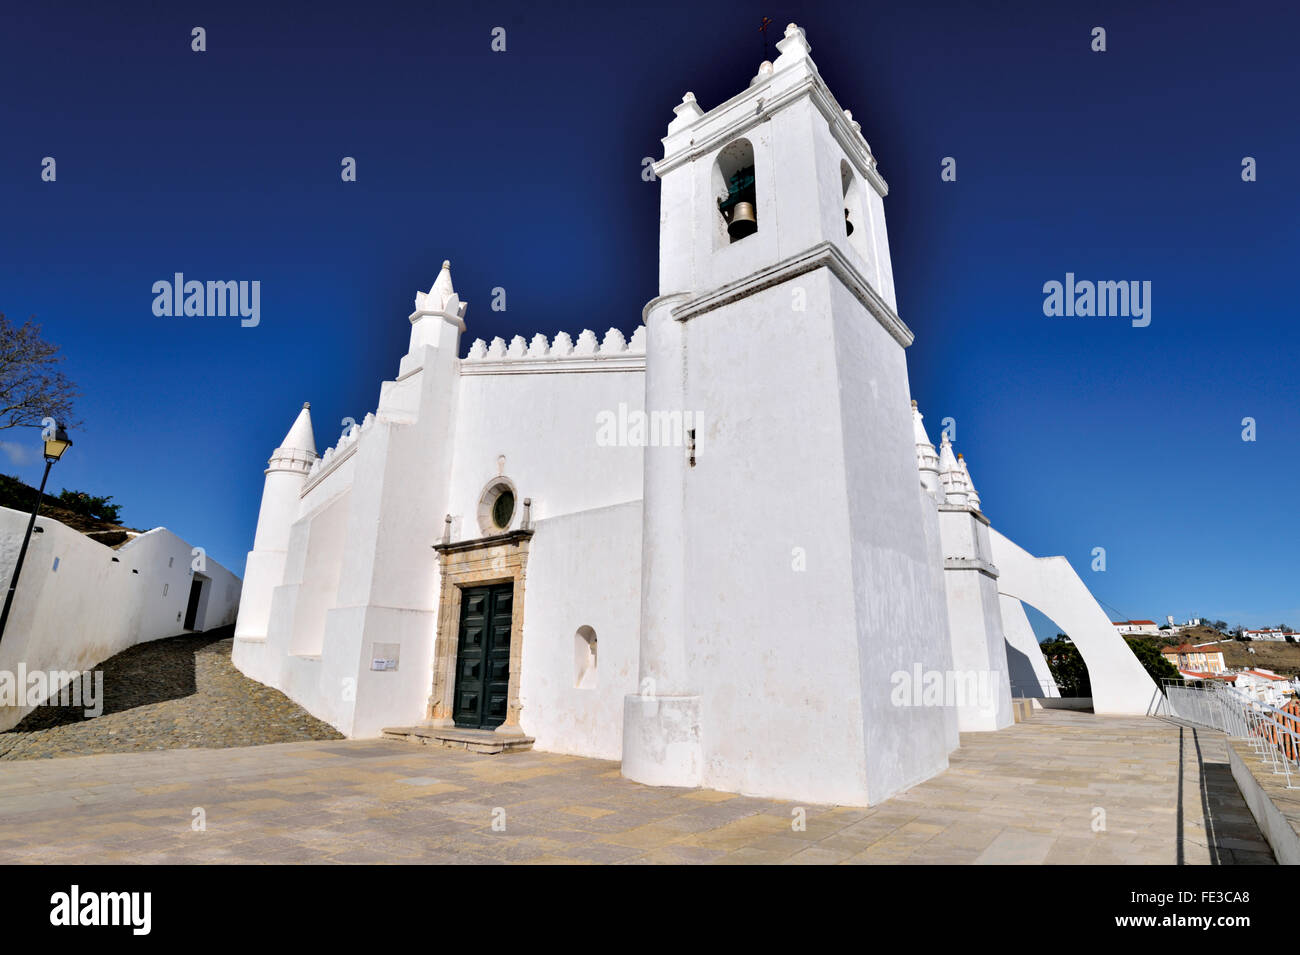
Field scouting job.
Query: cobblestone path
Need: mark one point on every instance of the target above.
(176, 693)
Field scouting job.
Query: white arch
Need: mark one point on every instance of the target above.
(1120, 684)
(1026, 666)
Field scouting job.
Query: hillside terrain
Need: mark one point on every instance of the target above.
(1283, 658)
(20, 496)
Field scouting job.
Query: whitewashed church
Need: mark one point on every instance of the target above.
(723, 551)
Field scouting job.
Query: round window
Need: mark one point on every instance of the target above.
(503, 508)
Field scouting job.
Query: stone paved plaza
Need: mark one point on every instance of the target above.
(1028, 794)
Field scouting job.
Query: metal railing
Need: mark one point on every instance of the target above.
(1273, 733)
(1037, 688)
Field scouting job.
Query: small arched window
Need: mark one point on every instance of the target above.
(734, 184)
(584, 658)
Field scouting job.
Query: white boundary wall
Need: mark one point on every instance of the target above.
(77, 614)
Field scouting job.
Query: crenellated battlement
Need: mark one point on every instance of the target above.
(333, 457)
(540, 355)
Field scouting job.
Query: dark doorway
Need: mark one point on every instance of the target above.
(483, 656)
(192, 608)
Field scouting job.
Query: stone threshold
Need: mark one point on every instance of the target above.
(487, 742)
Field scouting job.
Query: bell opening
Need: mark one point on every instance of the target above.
(848, 223)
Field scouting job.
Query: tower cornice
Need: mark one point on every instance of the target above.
(822, 255)
(450, 318)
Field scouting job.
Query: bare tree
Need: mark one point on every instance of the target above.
(31, 385)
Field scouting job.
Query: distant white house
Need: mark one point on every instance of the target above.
(1265, 686)
(1137, 628)
(1267, 634)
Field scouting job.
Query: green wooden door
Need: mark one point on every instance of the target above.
(483, 656)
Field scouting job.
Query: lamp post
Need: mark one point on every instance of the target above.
(55, 445)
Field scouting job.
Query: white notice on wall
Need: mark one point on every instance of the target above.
(385, 656)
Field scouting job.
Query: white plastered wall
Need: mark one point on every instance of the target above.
(584, 570)
(795, 665)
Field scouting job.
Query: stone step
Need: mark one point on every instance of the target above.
(1021, 709)
(487, 742)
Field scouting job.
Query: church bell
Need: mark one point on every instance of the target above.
(743, 221)
(848, 223)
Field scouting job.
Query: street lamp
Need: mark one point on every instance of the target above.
(55, 445)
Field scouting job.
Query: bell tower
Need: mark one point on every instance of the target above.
(777, 169)
(786, 578)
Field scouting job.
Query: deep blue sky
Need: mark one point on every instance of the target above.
(523, 168)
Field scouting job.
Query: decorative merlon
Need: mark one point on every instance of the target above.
(793, 46)
(927, 459)
(954, 484)
(347, 444)
(588, 353)
(687, 112)
(972, 496)
(857, 128)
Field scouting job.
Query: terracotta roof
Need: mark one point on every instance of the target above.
(1188, 648)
